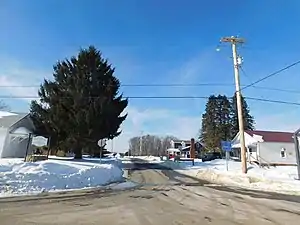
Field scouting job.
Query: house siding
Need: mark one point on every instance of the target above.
(3, 132)
(26, 122)
(270, 152)
(17, 138)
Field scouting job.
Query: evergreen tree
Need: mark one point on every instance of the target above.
(216, 121)
(248, 118)
(223, 115)
(82, 104)
(208, 125)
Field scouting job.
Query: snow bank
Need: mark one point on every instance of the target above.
(5, 113)
(107, 160)
(19, 178)
(278, 179)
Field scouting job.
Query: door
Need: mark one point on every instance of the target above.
(252, 151)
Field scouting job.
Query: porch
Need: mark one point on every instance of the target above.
(252, 154)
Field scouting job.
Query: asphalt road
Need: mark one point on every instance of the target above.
(163, 197)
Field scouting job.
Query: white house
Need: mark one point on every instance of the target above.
(184, 147)
(15, 130)
(267, 147)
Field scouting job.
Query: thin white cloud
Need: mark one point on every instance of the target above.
(196, 69)
(13, 76)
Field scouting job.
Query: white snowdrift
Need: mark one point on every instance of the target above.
(278, 179)
(19, 178)
(4, 113)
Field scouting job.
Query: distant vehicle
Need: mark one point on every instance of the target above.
(211, 156)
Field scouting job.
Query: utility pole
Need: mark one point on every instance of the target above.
(236, 62)
(141, 142)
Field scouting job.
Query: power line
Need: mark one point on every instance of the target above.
(130, 97)
(271, 75)
(134, 85)
(163, 97)
(267, 88)
(277, 89)
(178, 85)
(273, 101)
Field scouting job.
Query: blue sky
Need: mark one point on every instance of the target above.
(152, 42)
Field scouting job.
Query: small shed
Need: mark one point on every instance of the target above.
(267, 147)
(15, 134)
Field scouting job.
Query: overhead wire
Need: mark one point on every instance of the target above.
(136, 85)
(271, 75)
(164, 97)
(252, 84)
(175, 85)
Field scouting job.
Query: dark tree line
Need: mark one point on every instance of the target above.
(150, 145)
(220, 120)
(80, 105)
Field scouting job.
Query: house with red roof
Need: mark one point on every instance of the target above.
(267, 147)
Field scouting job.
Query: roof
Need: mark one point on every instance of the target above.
(273, 136)
(10, 119)
(180, 141)
(173, 150)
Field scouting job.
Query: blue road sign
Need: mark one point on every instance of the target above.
(226, 146)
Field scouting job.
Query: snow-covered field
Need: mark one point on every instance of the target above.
(57, 174)
(278, 179)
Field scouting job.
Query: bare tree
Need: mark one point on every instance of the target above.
(166, 142)
(151, 145)
(134, 145)
(4, 106)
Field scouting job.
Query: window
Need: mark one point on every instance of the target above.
(283, 153)
(252, 150)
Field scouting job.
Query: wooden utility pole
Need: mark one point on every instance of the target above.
(234, 41)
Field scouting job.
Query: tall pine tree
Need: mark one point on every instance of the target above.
(248, 118)
(209, 123)
(223, 112)
(82, 104)
(216, 121)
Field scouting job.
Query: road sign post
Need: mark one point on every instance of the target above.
(101, 143)
(227, 158)
(226, 146)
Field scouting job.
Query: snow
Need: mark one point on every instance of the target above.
(277, 179)
(146, 158)
(124, 185)
(4, 113)
(56, 174)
